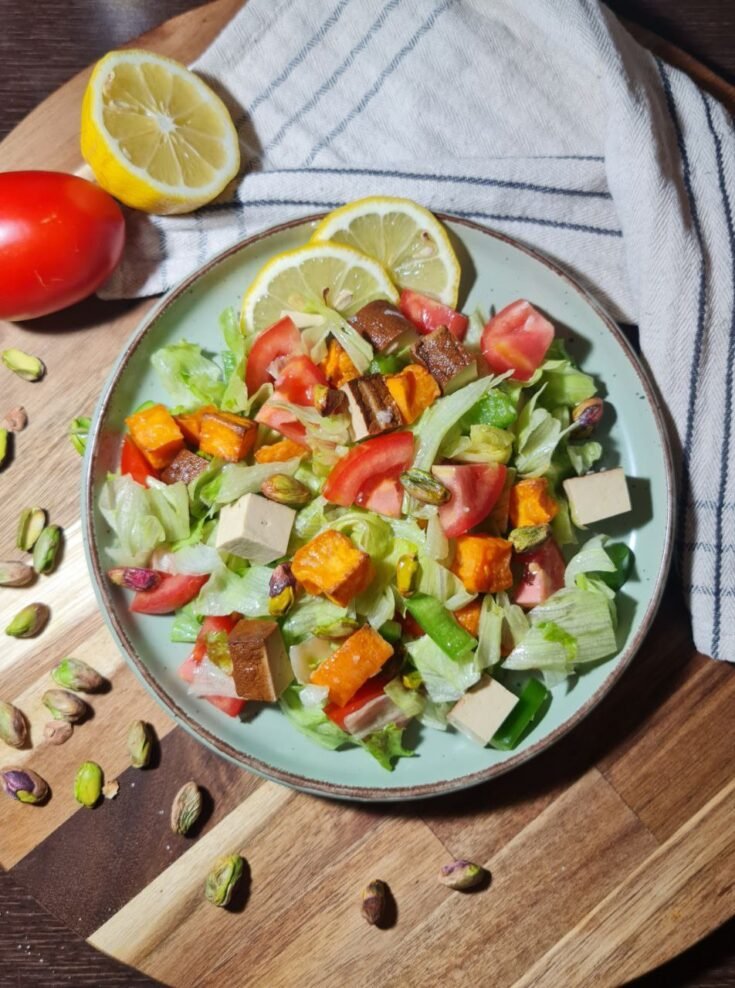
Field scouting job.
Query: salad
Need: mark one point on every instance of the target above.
(371, 508)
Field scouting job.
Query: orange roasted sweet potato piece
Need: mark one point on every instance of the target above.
(413, 389)
(332, 565)
(284, 449)
(359, 658)
(469, 616)
(156, 434)
(190, 423)
(531, 503)
(482, 563)
(227, 436)
(337, 366)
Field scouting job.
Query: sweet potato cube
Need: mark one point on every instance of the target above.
(332, 565)
(227, 436)
(469, 616)
(337, 366)
(359, 658)
(260, 666)
(156, 434)
(190, 423)
(284, 449)
(482, 563)
(413, 390)
(185, 466)
(531, 503)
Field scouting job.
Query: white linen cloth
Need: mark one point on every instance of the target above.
(543, 119)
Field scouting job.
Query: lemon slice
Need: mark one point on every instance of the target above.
(156, 137)
(324, 283)
(408, 240)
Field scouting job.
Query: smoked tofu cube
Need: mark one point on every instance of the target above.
(185, 466)
(445, 359)
(227, 436)
(156, 434)
(383, 326)
(481, 711)
(331, 564)
(255, 528)
(260, 666)
(597, 495)
(371, 406)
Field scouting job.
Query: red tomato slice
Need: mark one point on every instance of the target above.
(279, 340)
(297, 379)
(60, 238)
(375, 459)
(385, 497)
(232, 706)
(427, 314)
(517, 339)
(367, 692)
(174, 590)
(475, 489)
(282, 421)
(212, 624)
(543, 574)
(134, 464)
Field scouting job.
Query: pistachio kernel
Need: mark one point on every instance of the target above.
(587, 415)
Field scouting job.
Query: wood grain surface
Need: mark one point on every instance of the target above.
(610, 853)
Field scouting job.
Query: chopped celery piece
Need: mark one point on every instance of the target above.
(532, 699)
(440, 625)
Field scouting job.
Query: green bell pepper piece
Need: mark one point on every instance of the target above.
(494, 408)
(623, 558)
(532, 699)
(391, 631)
(440, 625)
(385, 364)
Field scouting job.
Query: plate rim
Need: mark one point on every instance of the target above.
(251, 763)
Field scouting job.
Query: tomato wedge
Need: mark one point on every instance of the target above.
(369, 462)
(367, 692)
(279, 340)
(297, 379)
(427, 314)
(385, 497)
(134, 464)
(282, 421)
(174, 590)
(210, 625)
(475, 489)
(543, 574)
(517, 339)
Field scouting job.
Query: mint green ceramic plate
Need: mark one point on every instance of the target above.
(497, 271)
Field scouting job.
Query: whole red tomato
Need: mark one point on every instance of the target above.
(60, 237)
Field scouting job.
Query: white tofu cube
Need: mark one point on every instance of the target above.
(482, 710)
(597, 495)
(255, 528)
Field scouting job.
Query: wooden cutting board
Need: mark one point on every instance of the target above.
(610, 853)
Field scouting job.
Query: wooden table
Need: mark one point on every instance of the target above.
(611, 853)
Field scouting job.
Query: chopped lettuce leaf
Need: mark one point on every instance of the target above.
(516, 621)
(386, 745)
(437, 544)
(309, 615)
(200, 558)
(409, 702)
(368, 530)
(443, 415)
(438, 581)
(203, 489)
(356, 346)
(561, 524)
(537, 435)
(485, 443)
(445, 679)
(489, 634)
(188, 376)
(591, 558)
(225, 592)
(311, 519)
(584, 618)
(565, 383)
(583, 456)
(142, 518)
(242, 478)
(186, 626)
(312, 722)
(473, 336)
(377, 604)
(334, 429)
(435, 715)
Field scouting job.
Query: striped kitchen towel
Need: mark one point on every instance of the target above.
(542, 119)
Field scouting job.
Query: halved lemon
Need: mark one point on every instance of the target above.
(155, 135)
(408, 240)
(313, 279)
